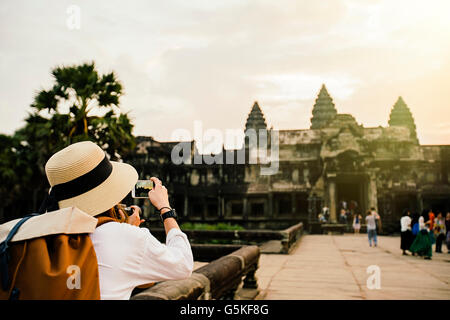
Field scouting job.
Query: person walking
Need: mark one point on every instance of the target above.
(440, 232)
(447, 228)
(422, 242)
(406, 234)
(371, 221)
(357, 223)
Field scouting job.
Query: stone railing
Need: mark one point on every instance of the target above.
(219, 279)
(290, 236)
(271, 241)
(330, 228)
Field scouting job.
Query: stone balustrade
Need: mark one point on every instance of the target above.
(219, 279)
(279, 241)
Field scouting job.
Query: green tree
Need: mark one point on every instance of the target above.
(81, 105)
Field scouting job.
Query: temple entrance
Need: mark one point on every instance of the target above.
(436, 204)
(351, 195)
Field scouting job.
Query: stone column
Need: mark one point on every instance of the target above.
(332, 197)
(419, 202)
(269, 204)
(293, 204)
(222, 206)
(372, 198)
(205, 208)
(245, 208)
(312, 207)
(186, 205)
(219, 207)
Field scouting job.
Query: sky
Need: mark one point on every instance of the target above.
(186, 61)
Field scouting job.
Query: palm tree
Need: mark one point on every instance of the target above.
(91, 105)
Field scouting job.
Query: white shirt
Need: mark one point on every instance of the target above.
(421, 223)
(405, 223)
(370, 220)
(129, 256)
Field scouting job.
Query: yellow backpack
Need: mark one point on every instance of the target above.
(49, 256)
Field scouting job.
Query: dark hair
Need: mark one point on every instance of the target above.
(415, 218)
(405, 212)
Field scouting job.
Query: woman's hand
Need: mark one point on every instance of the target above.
(158, 195)
(135, 218)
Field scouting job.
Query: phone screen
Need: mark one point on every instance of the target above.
(142, 188)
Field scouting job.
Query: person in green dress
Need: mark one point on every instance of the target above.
(422, 243)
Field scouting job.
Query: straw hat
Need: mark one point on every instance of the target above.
(81, 176)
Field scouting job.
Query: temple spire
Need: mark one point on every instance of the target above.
(323, 110)
(255, 119)
(402, 116)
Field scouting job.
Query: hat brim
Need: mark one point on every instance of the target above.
(106, 195)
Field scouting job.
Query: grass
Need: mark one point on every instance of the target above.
(207, 226)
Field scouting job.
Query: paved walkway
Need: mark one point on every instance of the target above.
(334, 267)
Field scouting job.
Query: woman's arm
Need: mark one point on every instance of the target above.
(160, 199)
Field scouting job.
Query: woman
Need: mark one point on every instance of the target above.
(414, 227)
(422, 243)
(440, 232)
(357, 223)
(406, 234)
(430, 227)
(447, 228)
(128, 256)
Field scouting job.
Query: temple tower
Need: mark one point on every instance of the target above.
(255, 119)
(323, 110)
(402, 116)
(255, 130)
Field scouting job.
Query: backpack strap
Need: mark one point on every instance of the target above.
(4, 255)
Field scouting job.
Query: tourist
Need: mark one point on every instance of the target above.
(406, 234)
(343, 217)
(430, 226)
(128, 256)
(348, 215)
(447, 228)
(371, 222)
(414, 228)
(357, 223)
(440, 232)
(422, 243)
(322, 218)
(326, 212)
(431, 218)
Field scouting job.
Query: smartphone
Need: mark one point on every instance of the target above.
(141, 189)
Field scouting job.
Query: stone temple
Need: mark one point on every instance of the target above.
(336, 162)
